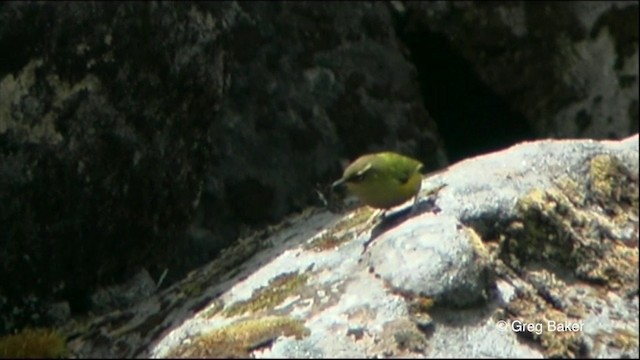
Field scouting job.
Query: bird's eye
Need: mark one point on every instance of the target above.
(359, 177)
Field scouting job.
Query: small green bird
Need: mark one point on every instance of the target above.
(383, 180)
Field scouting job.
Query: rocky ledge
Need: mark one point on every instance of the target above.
(527, 252)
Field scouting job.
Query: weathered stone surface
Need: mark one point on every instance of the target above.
(570, 67)
(435, 257)
(313, 293)
(149, 134)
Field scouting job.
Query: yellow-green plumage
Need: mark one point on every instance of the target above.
(383, 180)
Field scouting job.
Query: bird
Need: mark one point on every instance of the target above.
(383, 180)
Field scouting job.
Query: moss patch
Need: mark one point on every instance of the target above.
(586, 228)
(533, 310)
(419, 307)
(327, 241)
(620, 338)
(420, 304)
(269, 296)
(400, 338)
(33, 343)
(613, 188)
(341, 233)
(578, 230)
(213, 309)
(238, 340)
(410, 340)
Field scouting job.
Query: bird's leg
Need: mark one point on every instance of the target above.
(414, 207)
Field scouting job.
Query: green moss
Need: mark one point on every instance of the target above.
(420, 304)
(360, 217)
(33, 343)
(613, 188)
(418, 307)
(213, 309)
(239, 339)
(585, 227)
(326, 241)
(620, 338)
(269, 296)
(579, 226)
(480, 250)
(530, 309)
(540, 231)
(400, 337)
(341, 232)
(410, 340)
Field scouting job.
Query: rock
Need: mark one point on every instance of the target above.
(152, 135)
(435, 257)
(125, 295)
(563, 289)
(570, 68)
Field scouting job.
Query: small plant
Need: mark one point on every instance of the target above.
(33, 343)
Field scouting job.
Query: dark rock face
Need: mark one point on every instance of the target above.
(147, 134)
(570, 68)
